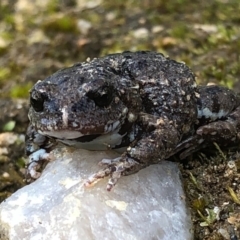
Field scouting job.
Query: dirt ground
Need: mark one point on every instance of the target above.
(39, 37)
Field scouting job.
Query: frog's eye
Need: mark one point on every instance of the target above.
(103, 97)
(36, 101)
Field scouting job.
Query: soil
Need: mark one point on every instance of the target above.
(39, 37)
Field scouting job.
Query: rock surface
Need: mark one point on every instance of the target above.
(146, 205)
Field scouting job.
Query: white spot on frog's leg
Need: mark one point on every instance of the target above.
(222, 113)
(74, 124)
(197, 95)
(207, 113)
(213, 133)
(194, 85)
(129, 149)
(135, 87)
(133, 151)
(116, 100)
(65, 116)
(131, 117)
(125, 111)
(50, 128)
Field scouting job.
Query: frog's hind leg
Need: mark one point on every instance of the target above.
(218, 116)
(189, 146)
(223, 132)
(215, 103)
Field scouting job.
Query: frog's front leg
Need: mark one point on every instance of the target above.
(37, 147)
(224, 133)
(155, 145)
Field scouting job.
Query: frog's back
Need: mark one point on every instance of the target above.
(167, 87)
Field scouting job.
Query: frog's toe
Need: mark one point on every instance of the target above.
(115, 168)
(189, 146)
(97, 177)
(190, 150)
(107, 162)
(32, 171)
(36, 162)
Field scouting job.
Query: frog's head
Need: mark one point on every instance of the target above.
(85, 99)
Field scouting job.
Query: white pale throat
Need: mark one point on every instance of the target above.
(103, 142)
(109, 139)
(63, 134)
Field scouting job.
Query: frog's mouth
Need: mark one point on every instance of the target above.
(70, 135)
(85, 134)
(89, 142)
(95, 141)
(62, 134)
(111, 137)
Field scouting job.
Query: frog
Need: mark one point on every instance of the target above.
(142, 103)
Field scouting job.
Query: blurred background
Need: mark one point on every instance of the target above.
(39, 37)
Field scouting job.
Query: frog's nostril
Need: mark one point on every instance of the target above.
(37, 101)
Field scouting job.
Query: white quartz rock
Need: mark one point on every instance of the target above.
(147, 205)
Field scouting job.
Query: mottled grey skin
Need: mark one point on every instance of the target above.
(142, 101)
(218, 120)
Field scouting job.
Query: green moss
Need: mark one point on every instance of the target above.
(52, 6)
(60, 24)
(223, 35)
(199, 204)
(4, 74)
(20, 91)
(179, 31)
(7, 36)
(21, 162)
(9, 18)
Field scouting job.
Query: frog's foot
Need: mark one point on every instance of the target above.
(36, 162)
(115, 168)
(221, 132)
(189, 146)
